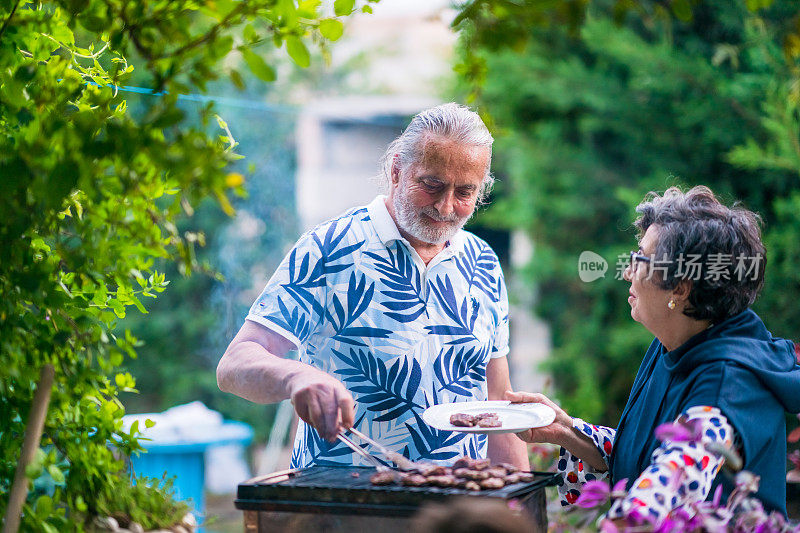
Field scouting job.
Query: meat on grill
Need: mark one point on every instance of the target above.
(428, 469)
(496, 471)
(447, 480)
(492, 483)
(472, 485)
(383, 478)
(463, 462)
(509, 468)
(466, 473)
(413, 480)
(474, 475)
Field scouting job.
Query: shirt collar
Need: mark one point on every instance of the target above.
(387, 230)
(383, 222)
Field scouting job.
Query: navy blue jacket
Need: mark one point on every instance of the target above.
(736, 366)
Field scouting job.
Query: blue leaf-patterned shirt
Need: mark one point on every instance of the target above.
(358, 302)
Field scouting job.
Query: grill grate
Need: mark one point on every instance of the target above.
(333, 489)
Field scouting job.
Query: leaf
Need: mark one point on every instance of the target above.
(225, 204)
(343, 7)
(80, 503)
(117, 307)
(62, 33)
(297, 51)
(682, 10)
(56, 474)
(222, 46)
(331, 29)
(257, 65)
(236, 79)
(249, 34)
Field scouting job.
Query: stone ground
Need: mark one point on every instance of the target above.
(222, 515)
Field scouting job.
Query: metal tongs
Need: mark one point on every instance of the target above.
(401, 462)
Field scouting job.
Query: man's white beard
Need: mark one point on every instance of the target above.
(412, 221)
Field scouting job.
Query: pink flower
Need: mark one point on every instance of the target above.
(593, 494)
(747, 481)
(794, 436)
(717, 496)
(607, 526)
(681, 431)
(618, 491)
(515, 505)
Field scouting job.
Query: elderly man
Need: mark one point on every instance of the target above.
(393, 308)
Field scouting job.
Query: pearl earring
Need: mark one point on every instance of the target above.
(671, 304)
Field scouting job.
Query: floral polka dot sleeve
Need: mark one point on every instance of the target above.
(681, 470)
(574, 471)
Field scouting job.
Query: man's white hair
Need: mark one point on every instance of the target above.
(452, 121)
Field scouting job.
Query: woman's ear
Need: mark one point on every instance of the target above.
(682, 291)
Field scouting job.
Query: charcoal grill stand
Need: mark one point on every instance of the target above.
(332, 499)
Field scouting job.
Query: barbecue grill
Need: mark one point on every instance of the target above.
(341, 498)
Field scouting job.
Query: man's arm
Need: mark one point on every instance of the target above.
(254, 367)
(504, 447)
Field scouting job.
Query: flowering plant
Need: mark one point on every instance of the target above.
(741, 513)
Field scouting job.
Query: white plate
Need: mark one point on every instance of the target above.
(514, 417)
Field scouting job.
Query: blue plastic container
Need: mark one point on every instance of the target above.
(186, 461)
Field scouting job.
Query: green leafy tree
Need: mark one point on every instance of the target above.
(593, 114)
(190, 324)
(91, 195)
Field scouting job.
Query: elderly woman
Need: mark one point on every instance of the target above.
(713, 364)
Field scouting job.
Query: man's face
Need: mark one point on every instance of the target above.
(436, 196)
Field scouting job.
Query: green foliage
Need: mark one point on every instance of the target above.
(190, 324)
(489, 26)
(149, 502)
(596, 114)
(91, 196)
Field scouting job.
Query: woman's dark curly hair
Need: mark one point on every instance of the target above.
(717, 248)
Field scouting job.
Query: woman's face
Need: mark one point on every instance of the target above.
(647, 300)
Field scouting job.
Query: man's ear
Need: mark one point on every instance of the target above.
(395, 169)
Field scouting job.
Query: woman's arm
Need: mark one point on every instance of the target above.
(574, 470)
(563, 432)
(679, 472)
(585, 448)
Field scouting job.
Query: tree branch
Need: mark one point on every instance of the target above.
(10, 16)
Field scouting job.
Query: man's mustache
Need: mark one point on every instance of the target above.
(434, 214)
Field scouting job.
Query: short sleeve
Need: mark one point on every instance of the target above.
(292, 303)
(501, 332)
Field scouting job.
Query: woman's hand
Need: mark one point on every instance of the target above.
(556, 432)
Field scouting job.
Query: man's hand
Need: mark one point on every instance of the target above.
(254, 367)
(552, 434)
(321, 401)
